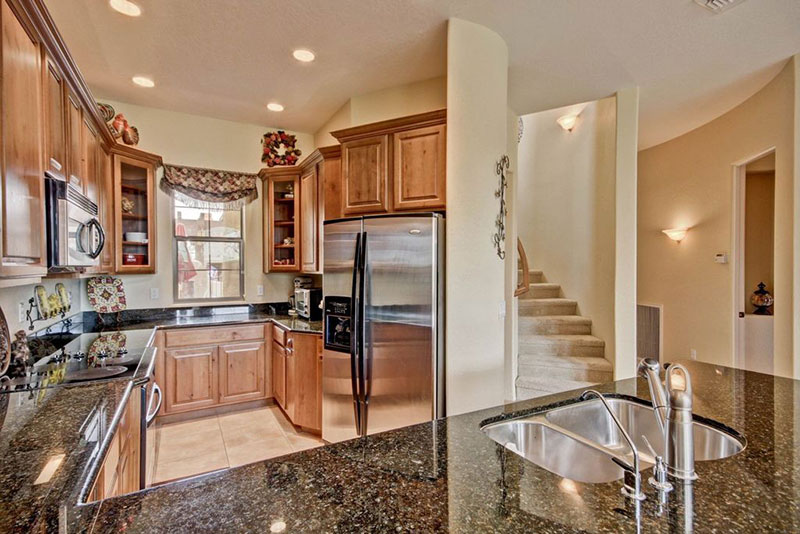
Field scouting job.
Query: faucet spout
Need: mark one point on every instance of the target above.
(632, 485)
(650, 369)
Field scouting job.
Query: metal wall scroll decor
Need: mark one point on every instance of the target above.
(499, 237)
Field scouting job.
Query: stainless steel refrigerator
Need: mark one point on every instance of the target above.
(383, 364)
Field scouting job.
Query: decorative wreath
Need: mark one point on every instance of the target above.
(272, 142)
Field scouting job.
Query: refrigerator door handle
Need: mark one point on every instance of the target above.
(362, 357)
(354, 374)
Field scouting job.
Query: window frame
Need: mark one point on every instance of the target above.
(176, 240)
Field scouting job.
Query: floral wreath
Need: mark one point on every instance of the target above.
(272, 141)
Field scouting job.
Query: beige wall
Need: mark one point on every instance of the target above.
(511, 260)
(565, 206)
(399, 101)
(688, 182)
(759, 219)
(477, 89)
(198, 141)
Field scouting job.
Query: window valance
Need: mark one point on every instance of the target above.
(209, 188)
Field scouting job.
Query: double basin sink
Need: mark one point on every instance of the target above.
(578, 441)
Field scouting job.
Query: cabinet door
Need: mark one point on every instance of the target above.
(89, 143)
(23, 241)
(75, 166)
(305, 392)
(192, 378)
(134, 180)
(419, 168)
(105, 177)
(241, 372)
(309, 221)
(365, 175)
(56, 134)
(279, 374)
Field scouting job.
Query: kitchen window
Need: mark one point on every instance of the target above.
(209, 253)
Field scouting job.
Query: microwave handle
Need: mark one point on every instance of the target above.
(79, 237)
(101, 242)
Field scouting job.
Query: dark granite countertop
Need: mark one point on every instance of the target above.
(201, 316)
(444, 476)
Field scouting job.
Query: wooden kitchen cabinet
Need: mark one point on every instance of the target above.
(74, 121)
(91, 172)
(191, 378)
(323, 166)
(391, 166)
(279, 374)
(242, 373)
(365, 175)
(120, 471)
(305, 391)
(419, 168)
(22, 136)
(55, 119)
(281, 215)
(105, 177)
(134, 181)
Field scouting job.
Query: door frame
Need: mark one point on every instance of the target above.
(737, 255)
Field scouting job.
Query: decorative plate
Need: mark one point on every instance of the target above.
(108, 343)
(5, 344)
(106, 294)
(64, 297)
(42, 302)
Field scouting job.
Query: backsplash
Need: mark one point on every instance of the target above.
(11, 297)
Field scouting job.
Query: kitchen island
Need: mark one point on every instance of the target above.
(443, 476)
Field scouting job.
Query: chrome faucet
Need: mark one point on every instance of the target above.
(632, 482)
(672, 406)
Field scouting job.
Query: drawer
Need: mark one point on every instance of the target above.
(184, 337)
(279, 335)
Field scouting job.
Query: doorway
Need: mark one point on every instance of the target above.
(753, 259)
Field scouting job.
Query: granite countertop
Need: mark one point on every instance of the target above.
(443, 476)
(189, 317)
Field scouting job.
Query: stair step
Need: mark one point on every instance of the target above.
(548, 306)
(562, 345)
(530, 387)
(579, 368)
(535, 276)
(555, 324)
(542, 290)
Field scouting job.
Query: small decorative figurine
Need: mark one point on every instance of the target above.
(20, 355)
(762, 300)
(127, 205)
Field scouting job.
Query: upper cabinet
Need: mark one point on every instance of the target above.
(75, 166)
(22, 242)
(281, 221)
(55, 115)
(134, 210)
(390, 166)
(321, 167)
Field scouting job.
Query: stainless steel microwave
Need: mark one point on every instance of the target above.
(75, 237)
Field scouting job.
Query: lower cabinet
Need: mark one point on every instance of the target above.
(191, 375)
(119, 473)
(242, 374)
(297, 378)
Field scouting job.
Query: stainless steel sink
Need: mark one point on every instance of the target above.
(579, 440)
(590, 420)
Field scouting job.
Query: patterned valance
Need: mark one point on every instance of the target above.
(209, 188)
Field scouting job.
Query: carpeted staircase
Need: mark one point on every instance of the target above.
(557, 351)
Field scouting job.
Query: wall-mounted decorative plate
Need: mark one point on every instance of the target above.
(106, 294)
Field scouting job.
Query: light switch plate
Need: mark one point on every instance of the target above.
(21, 313)
(154, 293)
(260, 290)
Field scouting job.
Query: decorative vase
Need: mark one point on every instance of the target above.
(762, 300)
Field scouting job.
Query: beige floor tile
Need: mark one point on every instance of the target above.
(282, 421)
(261, 418)
(256, 451)
(303, 440)
(243, 435)
(185, 440)
(192, 465)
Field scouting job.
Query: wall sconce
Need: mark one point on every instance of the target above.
(568, 121)
(676, 234)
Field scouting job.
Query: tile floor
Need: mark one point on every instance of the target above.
(220, 441)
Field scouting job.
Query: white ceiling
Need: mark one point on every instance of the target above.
(228, 58)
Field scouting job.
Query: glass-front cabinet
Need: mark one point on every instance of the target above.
(281, 219)
(135, 210)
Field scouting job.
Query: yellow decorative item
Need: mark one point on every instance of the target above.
(63, 297)
(42, 302)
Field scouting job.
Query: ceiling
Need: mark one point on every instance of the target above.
(227, 59)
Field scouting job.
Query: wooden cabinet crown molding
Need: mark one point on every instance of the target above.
(135, 153)
(279, 172)
(420, 120)
(44, 26)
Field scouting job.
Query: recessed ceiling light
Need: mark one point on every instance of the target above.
(126, 7)
(143, 81)
(303, 55)
(274, 106)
